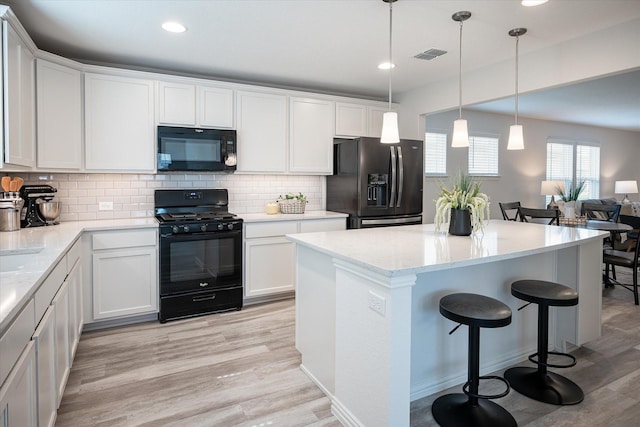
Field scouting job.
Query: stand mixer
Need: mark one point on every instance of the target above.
(38, 208)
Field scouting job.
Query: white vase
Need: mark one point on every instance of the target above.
(570, 209)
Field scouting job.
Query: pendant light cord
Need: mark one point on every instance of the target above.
(517, 42)
(390, 48)
(460, 74)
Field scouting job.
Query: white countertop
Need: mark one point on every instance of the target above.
(261, 217)
(414, 249)
(28, 255)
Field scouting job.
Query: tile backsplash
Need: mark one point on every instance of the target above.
(132, 194)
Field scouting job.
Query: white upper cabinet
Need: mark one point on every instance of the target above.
(176, 104)
(59, 127)
(119, 124)
(262, 132)
(311, 136)
(354, 119)
(19, 99)
(184, 104)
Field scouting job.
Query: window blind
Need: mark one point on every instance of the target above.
(483, 155)
(588, 170)
(572, 162)
(435, 153)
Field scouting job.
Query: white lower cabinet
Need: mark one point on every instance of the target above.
(269, 258)
(45, 342)
(60, 306)
(124, 273)
(18, 397)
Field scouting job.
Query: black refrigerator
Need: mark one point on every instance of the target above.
(377, 184)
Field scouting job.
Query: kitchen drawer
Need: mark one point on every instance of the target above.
(15, 339)
(270, 229)
(48, 289)
(124, 239)
(323, 225)
(197, 303)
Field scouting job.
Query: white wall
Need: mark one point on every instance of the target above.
(522, 171)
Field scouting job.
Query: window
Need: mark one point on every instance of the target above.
(572, 162)
(483, 155)
(435, 153)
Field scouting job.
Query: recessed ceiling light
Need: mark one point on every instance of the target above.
(174, 27)
(530, 3)
(386, 66)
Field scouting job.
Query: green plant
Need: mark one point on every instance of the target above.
(463, 193)
(571, 193)
(291, 196)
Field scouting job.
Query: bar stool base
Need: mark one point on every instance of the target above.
(549, 388)
(454, 410)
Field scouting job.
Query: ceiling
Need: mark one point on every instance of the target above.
(334, 46)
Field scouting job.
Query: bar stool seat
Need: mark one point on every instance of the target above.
(471, 408)
(538, 383)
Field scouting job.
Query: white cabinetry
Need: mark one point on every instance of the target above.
(61, 322)
(19, 99)
(119, 124)
(59, 126)
(262, 132)
(270, 257)
(45, 342)
(353, 119)
(184, 104)
(18, 400)
(124, 273)
(311, 135)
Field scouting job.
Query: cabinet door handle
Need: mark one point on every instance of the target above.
(197, 299)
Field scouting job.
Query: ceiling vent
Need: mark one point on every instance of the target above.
(430, 54)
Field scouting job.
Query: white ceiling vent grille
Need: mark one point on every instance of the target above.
(430, 54)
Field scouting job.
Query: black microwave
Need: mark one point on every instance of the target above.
(198, 150)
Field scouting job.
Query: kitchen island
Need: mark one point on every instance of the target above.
(367, 320)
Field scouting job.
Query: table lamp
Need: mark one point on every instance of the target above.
(551, 188)
(626, 188)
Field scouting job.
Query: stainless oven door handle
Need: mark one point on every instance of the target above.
(197, 299)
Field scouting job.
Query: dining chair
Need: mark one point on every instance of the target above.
(529, 214)
(630, 259)
(509, 206)
(601, 212)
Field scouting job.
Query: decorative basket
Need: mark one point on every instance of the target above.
(291, 206)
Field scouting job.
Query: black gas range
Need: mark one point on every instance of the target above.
(200, 253)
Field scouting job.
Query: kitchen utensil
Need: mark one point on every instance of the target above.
(6, 181)
(49, 210)
(19, 182)
(10, 214)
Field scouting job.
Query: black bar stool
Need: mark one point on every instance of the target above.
(538, 383)
(473, 409)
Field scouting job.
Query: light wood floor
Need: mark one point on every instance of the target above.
(242, 369)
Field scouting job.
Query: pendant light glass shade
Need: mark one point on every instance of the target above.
(390, 134)
(516, 137)
(460, 136)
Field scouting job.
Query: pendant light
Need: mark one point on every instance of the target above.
(460, 136)
(516, 137)
(390, 133)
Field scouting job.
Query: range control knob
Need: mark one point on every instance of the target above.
(203, 227)
(230, 226)
(220, 227)
(174, 229)
(185, 228)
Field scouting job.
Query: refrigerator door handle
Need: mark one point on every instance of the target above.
(400, 177)
(393, 176)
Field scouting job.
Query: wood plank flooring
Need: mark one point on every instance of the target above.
(242, 369)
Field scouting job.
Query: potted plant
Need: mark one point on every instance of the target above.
(292, 203)
(569, 198)
(462, 206)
